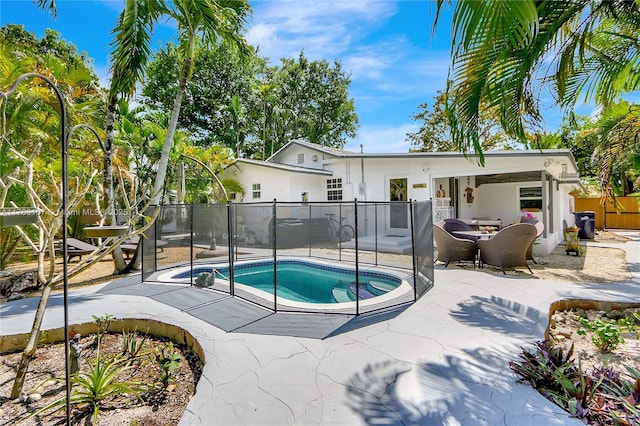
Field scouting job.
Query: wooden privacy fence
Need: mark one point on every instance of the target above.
(607, 217)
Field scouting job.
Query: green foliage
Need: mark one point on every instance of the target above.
(132, 344)
(540, 368)
(501, 53)
(435, 130)
(244, 105)
(606, 335)
(99, 386)
(602, 397)
(103, 323)
(42, 337)
(314, 100)
(30, 124)
(219, 74)
(168, 360)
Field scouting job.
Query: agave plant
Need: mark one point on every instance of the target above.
(97, 387)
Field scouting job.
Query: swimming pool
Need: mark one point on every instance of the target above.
(300, 281)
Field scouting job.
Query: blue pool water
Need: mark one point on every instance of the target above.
(304, 281)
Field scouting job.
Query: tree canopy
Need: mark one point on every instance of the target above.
(508, 54)
(435, 129)
(252, 108)
(219, 74)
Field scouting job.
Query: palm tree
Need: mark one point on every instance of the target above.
(210, 21)
(505, 54)
(616, 154)
(199, 21)
(129, 56)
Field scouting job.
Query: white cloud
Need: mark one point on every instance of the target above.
(366, 66)
(376, 139)
(323, 29)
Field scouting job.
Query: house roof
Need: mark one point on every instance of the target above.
(335, 152)
(455, 154)
(341, 153)
(278, 166)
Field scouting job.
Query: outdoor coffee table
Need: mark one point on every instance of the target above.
(483, 235)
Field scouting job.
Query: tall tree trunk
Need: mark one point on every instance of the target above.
(173, 123)
(32, 344)
(118, 259)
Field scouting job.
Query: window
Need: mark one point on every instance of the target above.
(255, 190)
(301, 158)
(334, 189)
(531, 198)
(232, 196)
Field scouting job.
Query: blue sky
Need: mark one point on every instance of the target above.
(387, 46)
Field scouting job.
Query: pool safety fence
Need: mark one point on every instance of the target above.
(358, 236)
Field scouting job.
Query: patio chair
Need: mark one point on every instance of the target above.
(508, 248)
(451, 248)
(540, 229)
(451, 225)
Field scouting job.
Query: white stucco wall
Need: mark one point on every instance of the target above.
(367, 179)
(377, 172)
(282, 185)
(311, 158)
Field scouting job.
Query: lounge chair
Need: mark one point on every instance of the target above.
(451, 248)
(508, 248)
(78, 248)
(129, 246)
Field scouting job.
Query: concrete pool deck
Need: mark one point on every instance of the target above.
(442, 360)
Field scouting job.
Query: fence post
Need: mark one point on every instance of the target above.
(141, 254)
(338, 229)
(274, 228)
(309, 228)
(375, 217)
(155, 240)
(191, 243)
(413, 251)
(230, 248)
(355, 216)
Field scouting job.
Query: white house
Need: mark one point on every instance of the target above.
(511, 183)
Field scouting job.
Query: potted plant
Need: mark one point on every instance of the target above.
(571, 240)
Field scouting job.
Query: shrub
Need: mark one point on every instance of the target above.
(168, 361)
(131, 343)
(602, 397)
(606, 335)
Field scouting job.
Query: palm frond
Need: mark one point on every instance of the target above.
(504, 53)
(49, 5)
(131, 46)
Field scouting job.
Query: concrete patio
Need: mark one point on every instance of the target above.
(442, 360)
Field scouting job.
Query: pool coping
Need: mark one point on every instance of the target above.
(402, 294)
